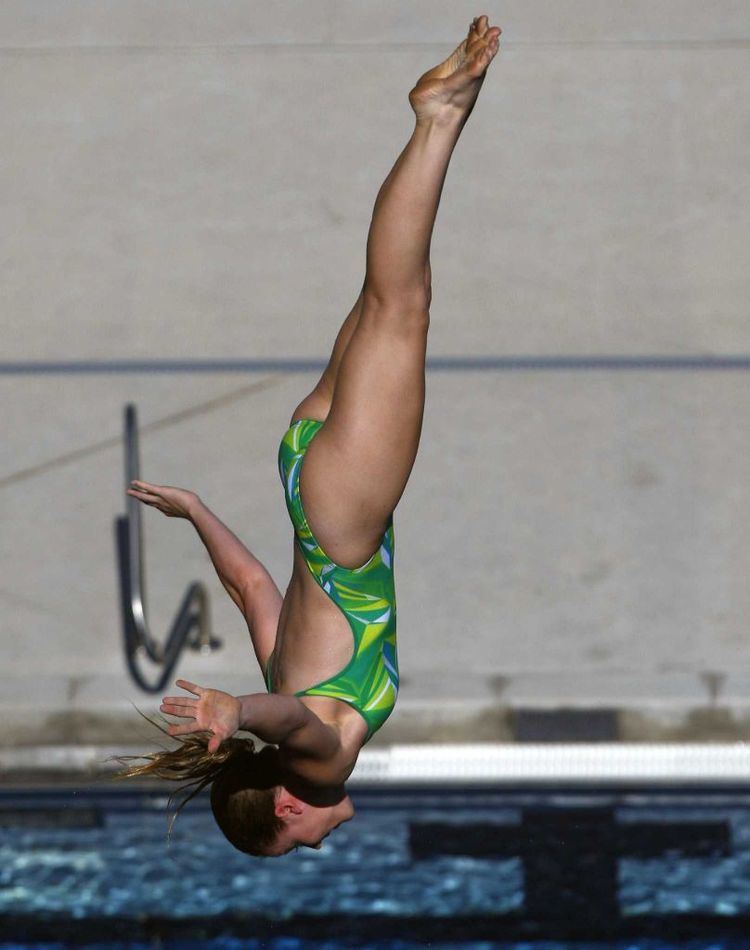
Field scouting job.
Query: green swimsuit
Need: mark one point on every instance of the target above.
(365, 595)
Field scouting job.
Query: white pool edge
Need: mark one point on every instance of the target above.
(495, 763)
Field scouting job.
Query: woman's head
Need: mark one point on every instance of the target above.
(243, 798)
(307, 816)
(250, 798)
(259, 813)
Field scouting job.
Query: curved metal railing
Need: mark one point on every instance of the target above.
(191, 624)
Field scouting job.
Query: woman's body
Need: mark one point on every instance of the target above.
(356, 466)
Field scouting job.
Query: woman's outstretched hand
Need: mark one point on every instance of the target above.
(213, 711)
(174, 502)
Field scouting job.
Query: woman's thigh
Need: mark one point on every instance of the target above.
(358, 464)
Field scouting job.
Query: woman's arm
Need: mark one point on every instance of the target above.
(245, 579)
(241, 573)
(282, 720)
(237, 568)
(288, 723)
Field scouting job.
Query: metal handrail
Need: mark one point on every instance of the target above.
(191, 625)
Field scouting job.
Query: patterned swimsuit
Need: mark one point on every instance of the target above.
(365, 595)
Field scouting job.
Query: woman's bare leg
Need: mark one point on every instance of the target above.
(357, 466)
(317, 404)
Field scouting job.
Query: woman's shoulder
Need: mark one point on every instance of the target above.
(334, 770)
(324, 754)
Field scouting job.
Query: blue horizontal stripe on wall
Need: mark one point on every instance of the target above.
(485, 364)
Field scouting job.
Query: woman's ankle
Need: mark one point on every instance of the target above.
(449, 117)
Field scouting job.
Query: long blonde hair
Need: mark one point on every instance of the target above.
(243, 784)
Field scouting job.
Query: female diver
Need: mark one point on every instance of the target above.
(357, 433)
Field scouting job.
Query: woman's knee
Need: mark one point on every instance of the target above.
(407, 308)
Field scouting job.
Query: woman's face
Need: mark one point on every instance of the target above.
(306, 825)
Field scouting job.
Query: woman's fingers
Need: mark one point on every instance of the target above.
(191, 687)
(180, 701)
(144, 486)
(146, 499)
(153, 501)
(146, 489)
(173, 709)
(142, 495)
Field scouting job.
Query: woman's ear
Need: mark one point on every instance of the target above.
(287, 804)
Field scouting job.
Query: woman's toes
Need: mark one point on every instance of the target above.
(481, 24)
(492, 39)
(482, 56)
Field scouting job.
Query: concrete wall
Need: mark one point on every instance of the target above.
(195, 179)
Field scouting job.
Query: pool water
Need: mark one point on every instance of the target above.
(441, 867)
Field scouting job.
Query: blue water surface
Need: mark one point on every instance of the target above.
(635, 869)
